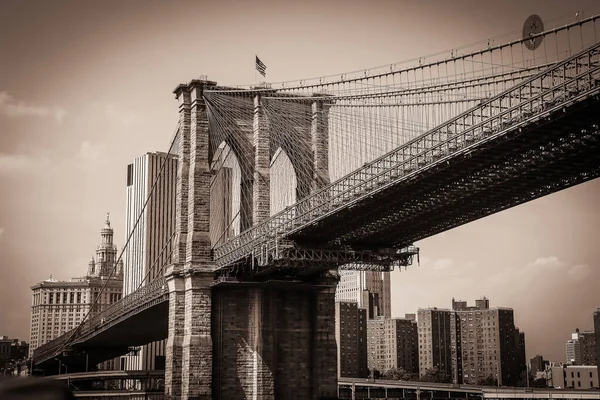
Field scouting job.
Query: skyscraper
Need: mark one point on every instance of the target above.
(59, 306)
(369, 289)
(150, 247)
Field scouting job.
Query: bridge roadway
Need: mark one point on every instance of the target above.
(362, 388)
(130, 374)
(366, 388)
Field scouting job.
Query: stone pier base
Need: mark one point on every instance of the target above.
(274, 341)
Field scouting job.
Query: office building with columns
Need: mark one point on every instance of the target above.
(59, 306)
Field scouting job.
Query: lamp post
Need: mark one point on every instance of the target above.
(498, 372)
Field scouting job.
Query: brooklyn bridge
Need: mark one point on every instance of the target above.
(280, 186)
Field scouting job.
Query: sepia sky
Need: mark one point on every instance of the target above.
(86, 86)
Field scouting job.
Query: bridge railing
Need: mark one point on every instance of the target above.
(558, 85)
(156, 291)
(144, 297)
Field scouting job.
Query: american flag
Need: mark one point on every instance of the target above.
(260, 67)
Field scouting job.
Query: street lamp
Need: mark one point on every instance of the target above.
(498, 372)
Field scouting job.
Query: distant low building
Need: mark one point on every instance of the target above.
(12, 351)
(562, 376)
(538, 364)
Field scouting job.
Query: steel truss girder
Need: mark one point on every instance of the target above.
(457, 136)
(425, 199)
(284, 255)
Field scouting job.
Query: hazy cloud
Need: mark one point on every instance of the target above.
(12, 107)
(21, 162)
(122, 117)
(550, 262)
(91, 151)
(443, 263)
(580, 271)
(1, 231)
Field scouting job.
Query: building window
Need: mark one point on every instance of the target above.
(130, 175)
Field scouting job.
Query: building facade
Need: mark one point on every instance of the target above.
(369, 293)
(436, 344)
(151, 182)
(59, 306)
(588, 347)
(561, 376)
(472, 344)
(392, 343)
(520, 355)
(581, 348)
(351, 338)
(488, 345)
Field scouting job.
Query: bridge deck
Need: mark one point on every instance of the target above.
(490, 392)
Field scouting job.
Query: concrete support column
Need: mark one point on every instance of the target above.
(261, 208)
(324, 353)
(320, 143)
(198, 229)
(181, 186)
(244, 331)
(173, 273)
(196, 380)
(275, 342)
(174, 347)
(260, 338)
(197, 344)
(189, 345)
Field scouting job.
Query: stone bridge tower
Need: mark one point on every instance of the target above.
(254, 340)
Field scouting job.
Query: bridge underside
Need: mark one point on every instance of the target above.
(114, 340)
(554, 153)
(141, 328)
